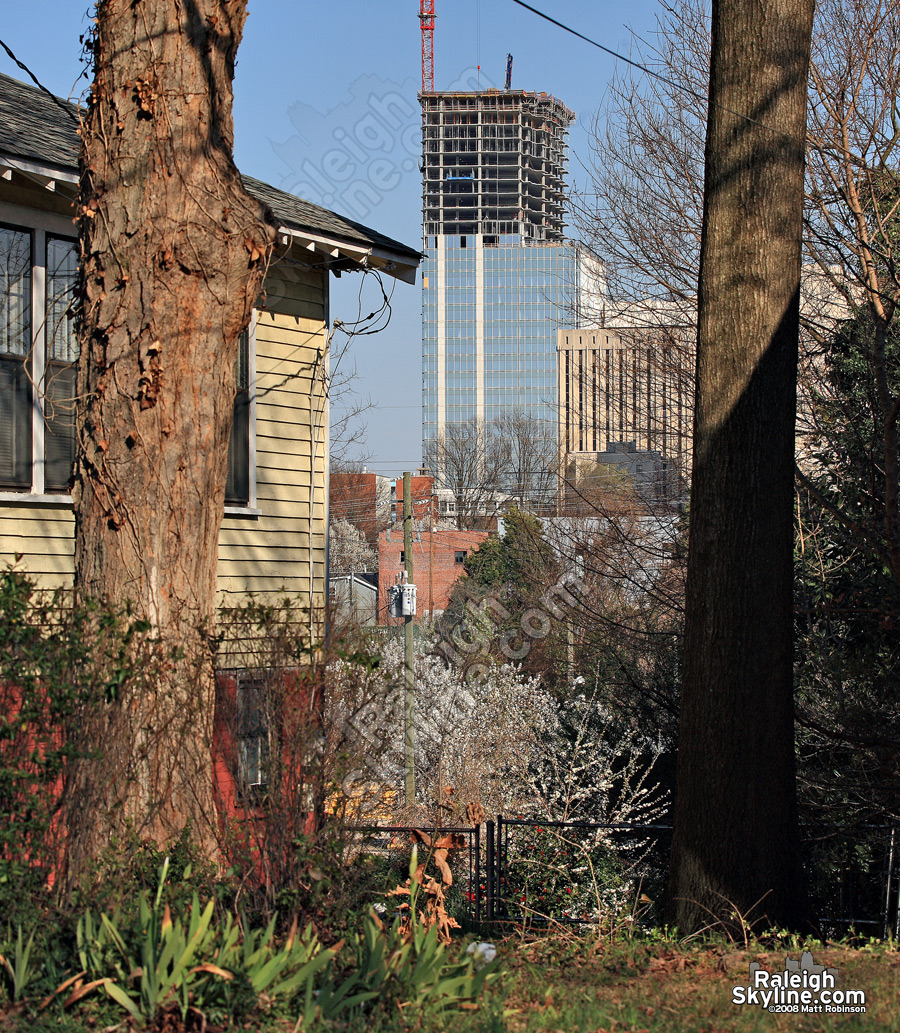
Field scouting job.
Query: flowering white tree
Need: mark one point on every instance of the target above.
(348, 549)
(502, 743)
(475, 736)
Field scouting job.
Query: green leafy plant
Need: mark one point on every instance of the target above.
(60, 659)
(400, 964)
(159, 972)
(156, 963)
(19, 972)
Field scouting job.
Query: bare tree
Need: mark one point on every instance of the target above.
(853, 236)
(512, 460)
(849, 377)
(472, 461)
(642, 210)
(736, 731)
(531, 452)
(173, 254)
(642, 217)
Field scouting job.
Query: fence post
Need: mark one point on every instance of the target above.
(498, 895)
(897, 904)
(888, 880)
(477, 874)
(489, 882)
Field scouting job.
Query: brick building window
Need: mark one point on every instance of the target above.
(460, 556)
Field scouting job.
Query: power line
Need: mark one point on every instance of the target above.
(649, 71)
(40, 86)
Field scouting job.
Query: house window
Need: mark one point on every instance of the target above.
(237, 486)
(460, 556)
(38, 355)
(59, 366)
(402, 556)
(252, 734)
(37, 274)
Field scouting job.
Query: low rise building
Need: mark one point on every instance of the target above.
(438, 563)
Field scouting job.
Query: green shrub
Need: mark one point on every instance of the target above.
(57, 660)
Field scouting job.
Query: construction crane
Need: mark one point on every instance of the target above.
(508, 85)
(426, 18)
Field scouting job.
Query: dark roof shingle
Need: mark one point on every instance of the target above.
(35, 129)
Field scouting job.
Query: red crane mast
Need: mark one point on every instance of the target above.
(426, 18)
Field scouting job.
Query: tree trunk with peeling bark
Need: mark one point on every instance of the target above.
(173, 254)
(736, 847)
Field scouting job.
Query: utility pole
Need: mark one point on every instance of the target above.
(431, 560)
(409, 742)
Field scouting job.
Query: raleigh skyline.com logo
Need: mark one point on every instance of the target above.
(803, 987)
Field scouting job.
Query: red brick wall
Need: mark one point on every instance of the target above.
(432, 551)
(353, 497)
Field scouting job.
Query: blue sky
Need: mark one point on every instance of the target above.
(315, 79)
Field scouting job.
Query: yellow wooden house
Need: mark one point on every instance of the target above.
(274, 533)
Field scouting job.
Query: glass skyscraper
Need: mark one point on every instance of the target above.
(499, 278)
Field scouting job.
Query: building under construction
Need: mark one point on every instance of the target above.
(494, 165)
(499, 277)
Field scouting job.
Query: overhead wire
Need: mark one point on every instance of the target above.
(649, 71)
(60, 104)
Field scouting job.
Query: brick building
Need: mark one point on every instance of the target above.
(438, 558)
(370, 502)
(424, 498)
(354, 497)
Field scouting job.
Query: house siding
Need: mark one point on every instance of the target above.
(266, 553)
(42, 537)
(270, 554)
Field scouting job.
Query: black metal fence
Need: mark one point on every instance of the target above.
(466, 896)
(854, 879)
(570, 872)
(544, 872)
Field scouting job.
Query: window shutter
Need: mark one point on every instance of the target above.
(59, 426)
(15, 342)
(15, 424)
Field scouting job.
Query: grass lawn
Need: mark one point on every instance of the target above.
(587, 986)
(576, 984)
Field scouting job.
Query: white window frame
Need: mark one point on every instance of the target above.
(251, 509)
(40, 224)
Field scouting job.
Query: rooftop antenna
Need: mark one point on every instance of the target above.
(426, 18)
(508, 85)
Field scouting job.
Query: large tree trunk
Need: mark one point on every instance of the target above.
(735, 845)
(173, 253)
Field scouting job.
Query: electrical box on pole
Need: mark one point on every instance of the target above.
(402, 600)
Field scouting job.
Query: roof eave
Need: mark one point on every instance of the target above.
(341, 252)
(47, 176)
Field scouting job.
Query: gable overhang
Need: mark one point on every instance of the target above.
(340, 255)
